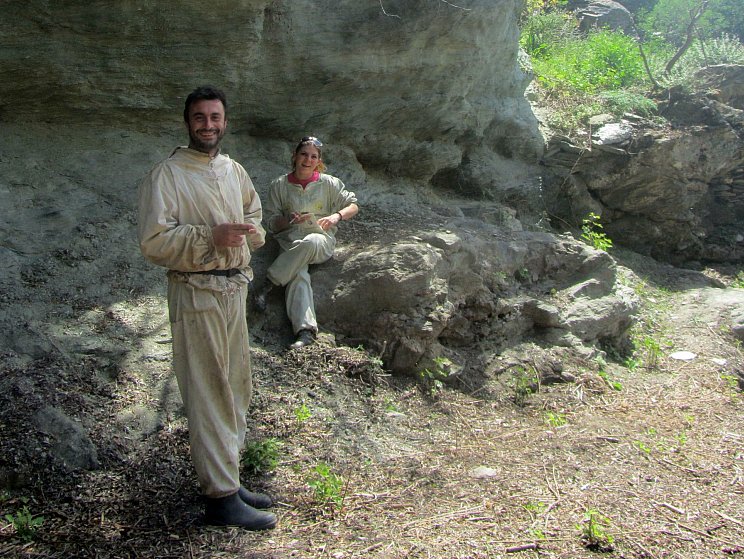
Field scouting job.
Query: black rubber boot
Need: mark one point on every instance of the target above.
(257, 500)
(232, 511)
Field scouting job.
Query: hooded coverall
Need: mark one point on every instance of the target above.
(304, 243)
(180, 200)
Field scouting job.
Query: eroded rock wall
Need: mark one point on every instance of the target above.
(413, 88)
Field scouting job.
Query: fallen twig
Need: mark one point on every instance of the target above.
(524, 547)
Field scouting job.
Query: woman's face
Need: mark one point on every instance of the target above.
(306, 160)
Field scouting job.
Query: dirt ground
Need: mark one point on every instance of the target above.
(636, 458)
(640, 459)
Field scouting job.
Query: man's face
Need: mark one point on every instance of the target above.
(207, 124)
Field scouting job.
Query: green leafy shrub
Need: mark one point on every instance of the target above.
(592, 233)
(603, 60)
(623, 101)
(327, 485)
(594, 531)
(542, 32)
(261, 456)
(25, 523)
(725, 49)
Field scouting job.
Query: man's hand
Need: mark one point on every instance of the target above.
(231, 234)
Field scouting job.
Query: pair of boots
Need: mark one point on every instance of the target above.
(240, 509)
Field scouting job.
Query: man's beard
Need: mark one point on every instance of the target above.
(201, 145)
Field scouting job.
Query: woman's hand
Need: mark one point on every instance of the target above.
(329, 221)
(299, 217)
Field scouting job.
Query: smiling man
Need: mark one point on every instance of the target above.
(200, 217)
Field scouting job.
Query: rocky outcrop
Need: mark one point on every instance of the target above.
(672, 191)
(411, 88)
(470, 291)
(602, 14)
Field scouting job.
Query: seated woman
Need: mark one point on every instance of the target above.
(303, 212)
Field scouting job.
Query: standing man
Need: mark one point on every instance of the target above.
(200, 217)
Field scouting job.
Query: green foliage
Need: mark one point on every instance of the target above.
(670, 19)
(615, 385)
(431, 380)
(327, 485)
(592, 232)
(535, 508)
(302, 413)
(623, 101)
(652, 351)
(738, 281)
(732, 384)
(643, 447)
(543, 32)
(631, 363)
(390, 405)
(524, 384)
(594, 531)
(555, 419)
(24, 522)
(261, 456)
(602, 60)
(580, 76)
(725, 49)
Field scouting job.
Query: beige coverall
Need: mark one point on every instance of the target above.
(180, 201)
(305, 243)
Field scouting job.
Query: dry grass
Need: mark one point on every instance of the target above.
(457, 475)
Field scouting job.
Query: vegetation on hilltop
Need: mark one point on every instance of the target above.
(582, 74)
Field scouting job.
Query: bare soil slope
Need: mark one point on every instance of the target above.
(634, 459)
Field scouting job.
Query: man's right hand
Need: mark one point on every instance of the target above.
(227, 235)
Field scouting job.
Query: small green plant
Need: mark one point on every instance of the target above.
(537, 534)
(732, 384)
(652, 351)
(643, 447)
(261, 456)
(615, 385)
(302, 413)
(592, 232)
(594, 531)
(631, 363)
(524, 385)
(738, 281)
(535, 508)
(390, 405)
(24, 522)
(524, 275)
(432, 380)
(622, 101)
(555, 419)
(681, 439)
(327, 485)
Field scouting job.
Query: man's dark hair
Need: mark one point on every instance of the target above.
(204, 92)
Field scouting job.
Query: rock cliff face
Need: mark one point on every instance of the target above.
(414, 88)
(674, 191)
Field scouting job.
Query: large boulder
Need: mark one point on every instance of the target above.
(470, 291)
(602, 14)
